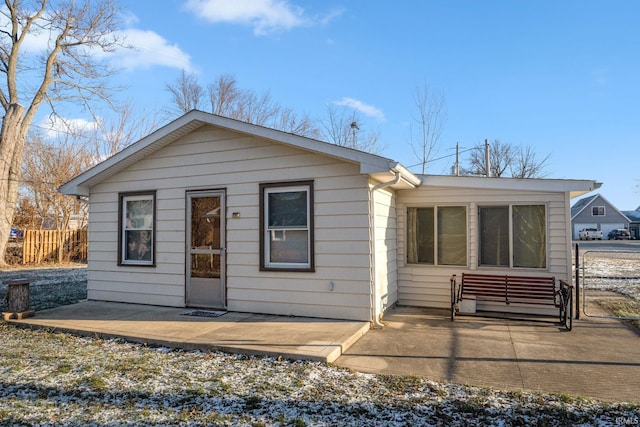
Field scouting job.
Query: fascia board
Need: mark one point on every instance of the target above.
(572, 186)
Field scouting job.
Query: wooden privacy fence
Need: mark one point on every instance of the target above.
(54, 246)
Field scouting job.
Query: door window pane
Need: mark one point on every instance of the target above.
(205, 222)
(205, 266)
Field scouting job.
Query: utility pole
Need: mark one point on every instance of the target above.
(457, 159)
(487, 158)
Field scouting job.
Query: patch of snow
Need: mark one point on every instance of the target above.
(59, 379)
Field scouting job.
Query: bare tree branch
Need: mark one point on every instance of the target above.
(186, 93)
(227, 99)
(506, 160)
(430, 121)
(343, 126)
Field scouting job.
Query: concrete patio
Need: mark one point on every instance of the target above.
(291, 337)
(599, 358)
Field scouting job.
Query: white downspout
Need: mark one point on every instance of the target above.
(375, 318)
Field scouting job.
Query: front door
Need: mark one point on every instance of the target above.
(205, 249)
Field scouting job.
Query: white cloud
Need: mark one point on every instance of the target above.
(265, 16)
(366, 109)
(55, 126)
(151, 49)
(332, 15)
(148, 48)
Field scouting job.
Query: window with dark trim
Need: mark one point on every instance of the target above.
(597, 211)
(136, 238)
(513, 236)
(437, 235)
(286, 226)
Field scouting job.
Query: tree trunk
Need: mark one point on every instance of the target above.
(12, 138)
(17, 295)
(17, 300)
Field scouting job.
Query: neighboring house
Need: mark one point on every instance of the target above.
(596, 212)
(212, 212)
(634, 223)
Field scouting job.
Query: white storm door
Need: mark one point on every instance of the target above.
(205, 285)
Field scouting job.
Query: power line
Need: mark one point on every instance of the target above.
(443, 157)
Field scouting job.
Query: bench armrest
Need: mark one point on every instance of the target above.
(565, 284)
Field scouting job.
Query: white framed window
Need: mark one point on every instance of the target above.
(437, 235)
(513, 236)
(597, 211)
(286, 226)
(136, 242)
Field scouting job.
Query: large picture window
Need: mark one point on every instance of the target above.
(286, 235)
(437, 235)
(513, 236)
(137, 225)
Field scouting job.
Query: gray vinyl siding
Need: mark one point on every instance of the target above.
(429, 286)
(211, 158)
(611, 220)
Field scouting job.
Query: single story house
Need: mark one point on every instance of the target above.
(595, 211)
(216, 213)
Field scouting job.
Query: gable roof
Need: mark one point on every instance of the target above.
(380, 168)
(583, 204)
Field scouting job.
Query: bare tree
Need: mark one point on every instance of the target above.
(426, 128)
(110, 136)
(505, 160)
(224, 95)
(343, 126)
(186, 93)
(289, 121)
(527, 165)
(226, 99)
(67, 69)
(51, 163)
(26, 215)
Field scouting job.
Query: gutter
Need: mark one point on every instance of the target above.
(375, 316)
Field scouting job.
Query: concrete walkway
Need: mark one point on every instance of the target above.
(289, 337)
(600, 358)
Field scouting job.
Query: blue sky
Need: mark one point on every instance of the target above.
(559, 76)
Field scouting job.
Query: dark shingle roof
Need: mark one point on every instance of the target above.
(581, 204)
(634, 216)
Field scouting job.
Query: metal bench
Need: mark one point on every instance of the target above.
(514, 289)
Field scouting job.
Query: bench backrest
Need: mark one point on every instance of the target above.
(523, 289)
(484, 285)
